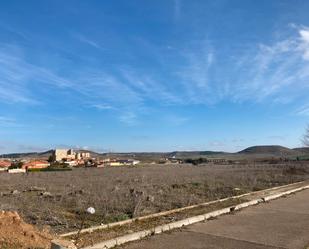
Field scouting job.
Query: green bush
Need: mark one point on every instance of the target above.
(48, 169)
(16, 165)
(196, 161)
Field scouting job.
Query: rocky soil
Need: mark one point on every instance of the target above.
(16, 234)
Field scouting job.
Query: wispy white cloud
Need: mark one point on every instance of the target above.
(102, 106)
(304, 36)
(88, 41)
(7, 122)
(149, 88)
(277, 72)
(129, 118)
(177, 9)
(17, 75)
(101, 86)
(303, 111)
(194, 75)
(175, 120)
(10, 29)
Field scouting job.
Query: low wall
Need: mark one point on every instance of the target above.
(13, 171)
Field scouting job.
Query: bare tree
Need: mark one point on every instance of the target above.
(306, 137)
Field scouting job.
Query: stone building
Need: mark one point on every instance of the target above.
(69, 154)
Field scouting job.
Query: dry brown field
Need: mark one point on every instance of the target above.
(58, 199)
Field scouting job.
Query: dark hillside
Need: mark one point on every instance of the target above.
(275, 150)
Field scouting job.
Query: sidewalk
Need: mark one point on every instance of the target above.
(283, 223)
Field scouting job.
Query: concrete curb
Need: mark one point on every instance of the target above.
(120, 223)
(62, 244)
(185, 222)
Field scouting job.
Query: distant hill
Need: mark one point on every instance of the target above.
(92, 153)
(304, 150)
(250, 152)
(275, 150)
(44, 154)
(193, 154)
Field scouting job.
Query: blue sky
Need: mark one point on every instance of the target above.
(158, 75)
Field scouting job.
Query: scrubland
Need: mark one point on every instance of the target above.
(58, 199)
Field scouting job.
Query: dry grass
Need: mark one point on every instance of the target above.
(126, 192)
(88, 239)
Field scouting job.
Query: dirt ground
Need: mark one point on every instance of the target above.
(58, 199)
(16, 234)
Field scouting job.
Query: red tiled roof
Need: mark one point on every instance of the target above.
(36, 164)
(5, 164)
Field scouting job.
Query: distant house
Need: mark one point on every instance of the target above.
(133, 162)
(173, 160)
(101, 165)
(123, 162)
(71, 163)
(5, 164)
(115, 163)
(38, 164)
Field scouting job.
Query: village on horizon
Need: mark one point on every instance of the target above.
(62, 158)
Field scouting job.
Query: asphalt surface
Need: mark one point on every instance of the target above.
(282, 223)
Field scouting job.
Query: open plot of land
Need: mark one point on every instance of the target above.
(58, 199)
(149, 224)
(99, 235)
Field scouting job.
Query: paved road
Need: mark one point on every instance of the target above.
(283, 223)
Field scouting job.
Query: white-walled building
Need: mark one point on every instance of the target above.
(61, 154)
